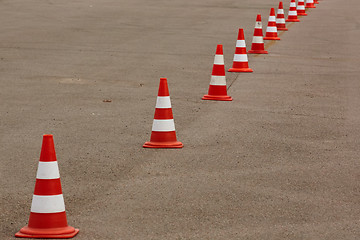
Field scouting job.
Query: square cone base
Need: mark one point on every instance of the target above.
(49, 235)
(249, 70)
(271, 38)
(258, 52)
(163, 145)
(217, 98)
(292, 20)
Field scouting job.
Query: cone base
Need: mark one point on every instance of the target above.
(258, 52)
(282, 29)
(271, 38)
(35, 233)
(311, 7)
(217, 98)
(240, 70)
(301, 14)
(292, 20)
(163, 145)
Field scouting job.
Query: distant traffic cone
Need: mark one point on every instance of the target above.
(271, 30)
(240, 62)
(292, 15)
(316, 2)
(257, 45)
(47, 215)
(280, 18)
(163, 133)
(217, 89)
(301, 8)
(310, 4)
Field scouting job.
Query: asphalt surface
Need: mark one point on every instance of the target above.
(281, 161)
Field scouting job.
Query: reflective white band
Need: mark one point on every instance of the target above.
(280, 11)
(271, 18)
(271, 29)
(240, 43)
(163, 102)
(292, 13)
(309, 1)
(218, 80)
(48, 170)
(48, 204)
(280, 20)
(240, 58)
(258, 25)
(292, 4)
(300, 7)
(257, 39)
(166, 125)
(219, 59)
(300, 1)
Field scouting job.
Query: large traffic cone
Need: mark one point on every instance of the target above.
(301, 8)
(217, 89)
(47, 215)
(271, 30)
(292, 15)
(240, 62)
(280, 18)
(163, 133)
(310, 4)
(257, 45)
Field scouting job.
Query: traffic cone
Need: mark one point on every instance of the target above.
(292, 15)
(271, 30)
(217, 89)
(257, 45)
(163, 133)
(316, 2)
(240, 62)
(310, 4)
(280, 18)
(47, 215)
(301, 8)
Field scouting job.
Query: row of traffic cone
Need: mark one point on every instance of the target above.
(47, 215)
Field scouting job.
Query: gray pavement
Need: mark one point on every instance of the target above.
(281, 161)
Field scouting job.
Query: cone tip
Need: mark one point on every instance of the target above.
(281, 5)
(163, 88)
(47, 149)
(219, 49)
(258, 18)
(272, 12)
(241, 34)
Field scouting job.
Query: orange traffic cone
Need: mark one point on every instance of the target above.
(240, 62)
(163, 133)
(271, 30)
(292, 15)
(217, 88)
(257, 45)
(301, 8)
(310, 4)
(280, 18)
(47, 215)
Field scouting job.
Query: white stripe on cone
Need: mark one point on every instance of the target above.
(240, 58)
(258, 25)
(163, 102)
(163, 125)
(257, 39)
(280, 11)
(48, 204)
(272, 19)
(240, 43)
(300, 7)
(292, 4)
(292, 13)
(218, 80)
(219, 59)
(48, 170)
(280, 20)
(271, 29)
